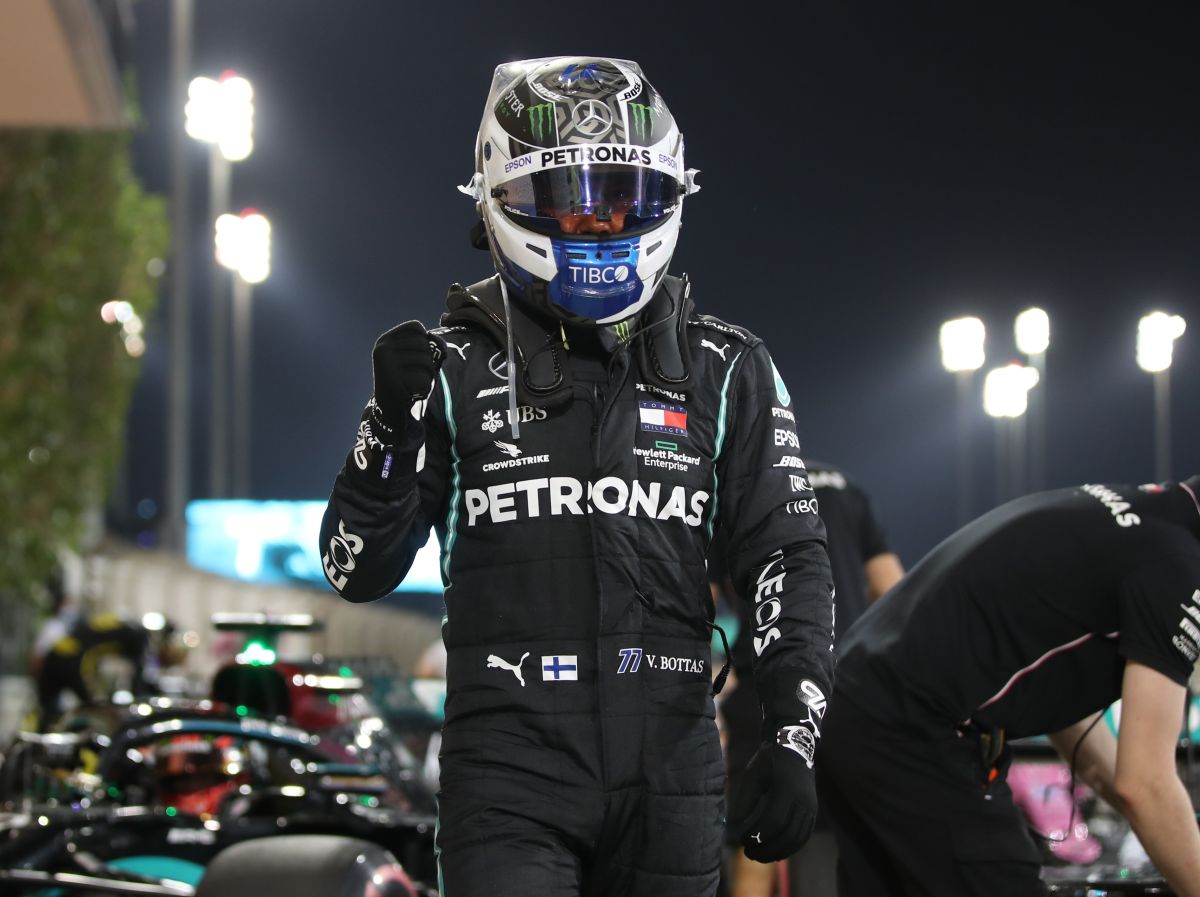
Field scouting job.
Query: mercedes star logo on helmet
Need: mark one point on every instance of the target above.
(591, 119)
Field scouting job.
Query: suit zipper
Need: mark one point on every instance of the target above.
(602, 405)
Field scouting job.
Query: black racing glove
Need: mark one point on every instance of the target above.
(774, 802)
(404, 362)
(391, 435)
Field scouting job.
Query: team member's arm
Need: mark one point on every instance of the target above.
(778, 563)
(1137, 774)
(1148, 789)
(1160, 642)
(1094, 758)
(882, 571)
(881, 567)
(392, 485)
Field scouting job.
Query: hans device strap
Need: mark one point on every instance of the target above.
(544, 378)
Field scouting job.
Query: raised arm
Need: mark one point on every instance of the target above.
(392, 485)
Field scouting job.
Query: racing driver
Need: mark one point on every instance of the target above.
(1029, 621)
(575, 431)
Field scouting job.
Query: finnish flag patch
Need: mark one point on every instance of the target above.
(560, 668)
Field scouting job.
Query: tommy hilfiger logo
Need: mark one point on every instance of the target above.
(660, 417)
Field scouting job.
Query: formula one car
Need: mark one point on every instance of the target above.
(150, 797)
(177, 785)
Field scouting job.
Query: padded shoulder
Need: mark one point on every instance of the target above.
(709, 322)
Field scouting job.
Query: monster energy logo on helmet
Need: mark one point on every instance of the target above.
(643, 120)
(541, 119)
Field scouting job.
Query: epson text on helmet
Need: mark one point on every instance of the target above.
(518, 163)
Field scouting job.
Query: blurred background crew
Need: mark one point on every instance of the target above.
(864, 565)
(1031, 620)
(63, 615)
(100, 653)
(864, 568)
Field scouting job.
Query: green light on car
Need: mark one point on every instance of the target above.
(256, 654)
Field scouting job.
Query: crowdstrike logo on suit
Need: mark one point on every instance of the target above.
(556, 496)
(515, 457)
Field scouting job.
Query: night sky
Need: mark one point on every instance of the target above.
(867, 172)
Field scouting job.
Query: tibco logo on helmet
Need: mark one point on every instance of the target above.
(580, 184)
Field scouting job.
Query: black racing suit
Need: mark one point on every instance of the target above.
(580, 753)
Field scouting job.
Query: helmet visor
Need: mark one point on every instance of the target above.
(637, 197)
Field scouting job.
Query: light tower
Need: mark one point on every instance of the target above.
(243, 245)
(1032, 332)
(1156, 337)
(1006, 399)
(962, 343)
(220, 113)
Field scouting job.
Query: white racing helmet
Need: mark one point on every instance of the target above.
(580, 184)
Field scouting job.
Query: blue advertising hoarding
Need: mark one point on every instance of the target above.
(275, 542)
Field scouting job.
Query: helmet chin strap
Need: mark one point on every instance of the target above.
(513, 422)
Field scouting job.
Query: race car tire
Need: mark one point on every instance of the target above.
(305, 866)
